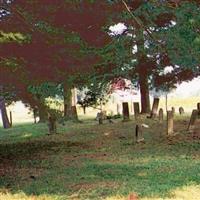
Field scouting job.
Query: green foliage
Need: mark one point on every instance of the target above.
(46, 90)
(12, 37)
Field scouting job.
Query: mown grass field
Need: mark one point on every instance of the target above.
(91, 161)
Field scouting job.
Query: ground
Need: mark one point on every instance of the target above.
(91, 161)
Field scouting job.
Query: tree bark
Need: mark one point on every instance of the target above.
(52, 125)
(42, 112)
(84, 110)
(70, 111)
(154, 109)
(144, 92)
(6, 123)
(67, 101)
(143, 72)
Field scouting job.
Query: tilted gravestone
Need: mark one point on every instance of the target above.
(181, 110)
(160, 115)
(193, 119)
(170, 123)
(136, 107)
(154, 108)
(125, 111)
(139, 133)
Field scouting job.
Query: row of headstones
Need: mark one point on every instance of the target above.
(194, 116)
(170, 117)
(153, 112)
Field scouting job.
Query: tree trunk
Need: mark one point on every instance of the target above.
(84, 110)
(35, 115)
(70, 111)
(154, 109)
(144, 92)
(67, 102)
(143, 71)
(42, 112)
(52, 125)
(6, 123)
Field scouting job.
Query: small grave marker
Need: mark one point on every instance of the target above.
(160, 114)
(181, 110)
(193, 119)
(139, 133)
(170, 123)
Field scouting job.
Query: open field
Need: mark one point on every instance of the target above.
(90, 161)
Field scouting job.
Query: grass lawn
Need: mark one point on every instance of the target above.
(89, 161)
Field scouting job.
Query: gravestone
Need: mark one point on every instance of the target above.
(10, 119)
(154, 108)
(181, 110)
(173, 111)
(136, 107)
(125, 111)
(160, 115)
(170, 123)
(139, 133)
(99, 117)
(193, 119)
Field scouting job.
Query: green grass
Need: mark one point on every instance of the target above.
(90, 161)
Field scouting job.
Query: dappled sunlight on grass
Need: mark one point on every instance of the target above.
(184, 193)
(88, 161)
(5, 195)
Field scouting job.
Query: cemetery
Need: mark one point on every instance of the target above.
(99, 100)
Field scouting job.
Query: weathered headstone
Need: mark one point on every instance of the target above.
(10, 119)
(154, 108)
(173, 111)
(136, 107)
(125, 111)
(139, 133)
(170, 123)
(181, 110)
(99, 117)
(193, 119)
(160, 115)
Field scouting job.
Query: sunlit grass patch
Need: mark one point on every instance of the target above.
(190, 192)
(88, 161)
(6, 195)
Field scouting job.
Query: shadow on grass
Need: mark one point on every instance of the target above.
(95, 178)
(59, 168)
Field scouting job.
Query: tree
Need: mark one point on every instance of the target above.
(162, 33)
(150, 25)
(52, 49)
